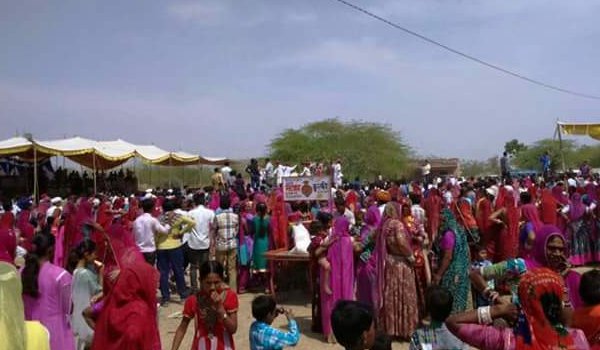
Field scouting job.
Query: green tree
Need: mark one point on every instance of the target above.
(530, 158)
(366, 149)
(513, 147)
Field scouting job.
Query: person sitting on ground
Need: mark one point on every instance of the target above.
(587, 318)
(353, 325)
(435, 335)
(265, 337)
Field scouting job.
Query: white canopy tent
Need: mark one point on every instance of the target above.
(97, 155)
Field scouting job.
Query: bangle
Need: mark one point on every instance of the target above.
(484, 315)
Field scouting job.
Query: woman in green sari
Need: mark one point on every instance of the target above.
(261, 230)
(453, 269)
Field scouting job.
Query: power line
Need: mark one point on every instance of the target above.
(467, 56)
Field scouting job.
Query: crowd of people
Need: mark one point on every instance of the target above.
(439, 263)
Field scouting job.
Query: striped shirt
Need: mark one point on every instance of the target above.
(226, 226)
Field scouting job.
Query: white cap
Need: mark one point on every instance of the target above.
(572, 182)
(149, 190)
(56, 200)
(96, 202)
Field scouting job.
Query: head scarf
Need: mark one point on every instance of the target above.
(383, 196)
(540, 294)
(542, 236)
(548, 207)
(12, 314)
(128, 317)
(392, 211)
(8, 245)
(558, 193)
(576, 207)
(530, 214)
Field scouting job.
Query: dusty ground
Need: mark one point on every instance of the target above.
(294, 301)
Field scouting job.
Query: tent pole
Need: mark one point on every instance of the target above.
(35, 175)
(94, 161)
(560, 145)
(170, 173)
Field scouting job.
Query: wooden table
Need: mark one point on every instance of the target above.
(283, 255)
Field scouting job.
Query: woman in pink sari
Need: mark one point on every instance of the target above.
(341, 258)
(366, 270)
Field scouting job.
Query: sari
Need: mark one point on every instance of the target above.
(397, 309)
(279, 220)
(366, 262)
(539, 289)
(8, 245)
(579, 232)
(531, 223)
(128, 319)
(433, 207)
(7, 220)
(482, 215)
(538, 258)
(26, 229)
(548, 206)
(341, 277)
(456, 277)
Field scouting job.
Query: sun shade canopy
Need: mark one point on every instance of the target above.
(99, 154)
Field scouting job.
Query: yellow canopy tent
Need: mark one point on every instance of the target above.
(96, 155)
(577, 129)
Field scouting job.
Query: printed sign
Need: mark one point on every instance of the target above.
(306, 188)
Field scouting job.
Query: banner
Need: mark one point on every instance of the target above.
(306, 188)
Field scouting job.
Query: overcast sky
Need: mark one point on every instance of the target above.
(224, 77)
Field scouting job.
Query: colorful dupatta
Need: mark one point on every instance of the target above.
(540, 292)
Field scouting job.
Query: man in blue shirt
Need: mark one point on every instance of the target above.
(546, 161)
(265, 337)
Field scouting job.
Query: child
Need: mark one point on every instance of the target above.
(262, 335)
(436, 336)
(324, 241)
(481, 260)
(353, 325)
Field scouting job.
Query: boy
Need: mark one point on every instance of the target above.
(265, 337)
(435, 335)
(481, 260)
(353, 325)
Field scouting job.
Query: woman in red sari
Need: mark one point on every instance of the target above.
(548, 206)
(507, 217)
(433, 207)
(128, 319)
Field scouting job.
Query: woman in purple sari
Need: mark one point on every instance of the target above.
(549, 250)
(578, 231)
(366, 270)
(341, 258)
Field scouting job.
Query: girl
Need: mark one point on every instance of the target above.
(214, 309)
(47, 292)
(85, 287)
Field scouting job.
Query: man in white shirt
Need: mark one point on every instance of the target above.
(269, 172)
(56, 205)
(337, 173)
(145, 227)
(199, 239)
(226, 172)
